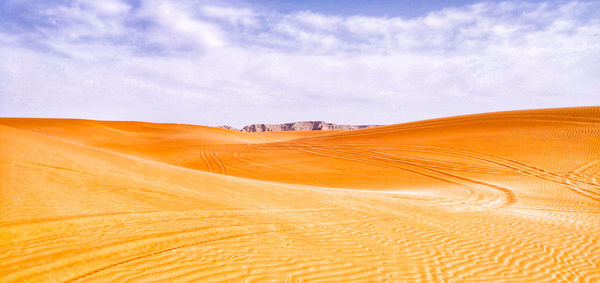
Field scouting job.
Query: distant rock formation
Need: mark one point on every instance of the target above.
(228, 128)
(302, 126)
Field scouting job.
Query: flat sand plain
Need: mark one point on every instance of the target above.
(505, 196)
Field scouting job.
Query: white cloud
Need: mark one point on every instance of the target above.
(182, 61)
(176, 24)
(237, 16)
(86, 19)
(107, 7)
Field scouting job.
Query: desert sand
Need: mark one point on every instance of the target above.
(505, 196)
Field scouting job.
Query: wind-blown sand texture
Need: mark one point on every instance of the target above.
(507, 196)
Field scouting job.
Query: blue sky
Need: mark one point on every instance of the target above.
(374, 8)
(379, 8)
(236, 63)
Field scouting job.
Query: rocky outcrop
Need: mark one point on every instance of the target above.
(302, 126)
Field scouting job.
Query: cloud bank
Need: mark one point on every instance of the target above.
(219, 63)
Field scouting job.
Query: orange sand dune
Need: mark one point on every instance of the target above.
(506, 196)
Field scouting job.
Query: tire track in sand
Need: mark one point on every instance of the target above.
(508, 196)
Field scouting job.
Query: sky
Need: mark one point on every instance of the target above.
(267, 61)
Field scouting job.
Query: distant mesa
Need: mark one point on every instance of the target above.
(297, 126)
(302, 126)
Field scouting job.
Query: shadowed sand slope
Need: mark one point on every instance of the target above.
(506, 196)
